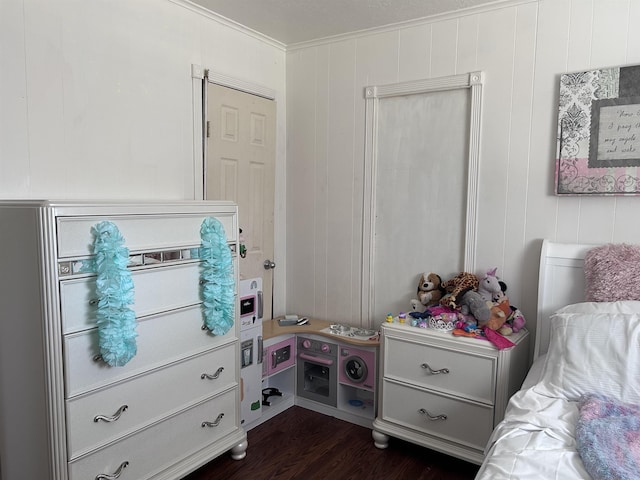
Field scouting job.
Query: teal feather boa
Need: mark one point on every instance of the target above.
(216, 278)
(114, 286)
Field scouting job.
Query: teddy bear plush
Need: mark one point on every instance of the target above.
(429, 292)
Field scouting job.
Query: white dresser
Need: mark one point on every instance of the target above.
(444, 392)
(65, 413)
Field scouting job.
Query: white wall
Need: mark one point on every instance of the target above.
(96, 102)
(523, 47)
(96, 98)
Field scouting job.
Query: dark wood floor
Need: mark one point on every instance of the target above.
(304, 445)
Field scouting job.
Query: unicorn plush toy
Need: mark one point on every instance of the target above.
(491, 288)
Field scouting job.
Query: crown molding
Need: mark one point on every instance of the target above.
(227, 22)
(487, 7)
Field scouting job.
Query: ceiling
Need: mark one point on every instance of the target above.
(295, 21)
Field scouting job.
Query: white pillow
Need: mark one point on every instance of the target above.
(622, 306)
(594, 348)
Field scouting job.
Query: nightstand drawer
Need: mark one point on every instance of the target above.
(463, 374)
(465, 423)
(149, 397)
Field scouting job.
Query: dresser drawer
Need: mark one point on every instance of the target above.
(153, 449)
(469, 376)
(155, 290)
(466, 423)
(140, 232)
(147, 398)
(161, 339)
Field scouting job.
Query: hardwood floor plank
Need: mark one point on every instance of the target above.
(301, 444)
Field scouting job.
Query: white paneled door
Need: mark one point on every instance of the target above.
(240, 166)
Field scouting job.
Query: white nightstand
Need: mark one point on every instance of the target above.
(443, 392)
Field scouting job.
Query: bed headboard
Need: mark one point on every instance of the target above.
(560, 283)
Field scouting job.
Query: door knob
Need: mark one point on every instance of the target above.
(268, 264)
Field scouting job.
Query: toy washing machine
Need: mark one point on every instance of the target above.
(358, 367)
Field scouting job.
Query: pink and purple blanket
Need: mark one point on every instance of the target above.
(608, 438)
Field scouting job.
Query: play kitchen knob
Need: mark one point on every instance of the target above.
(306, 343)
(268, 264)
(325, 348)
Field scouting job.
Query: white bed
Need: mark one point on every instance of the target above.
(536, 439)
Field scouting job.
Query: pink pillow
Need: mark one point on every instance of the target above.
(612, 273)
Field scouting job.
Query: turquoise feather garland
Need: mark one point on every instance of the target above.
(217, 279)
(114, 286)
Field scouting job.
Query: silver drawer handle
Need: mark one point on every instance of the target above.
(210, 376)
(112, 418)
(104, 476)
(214, 423)
(432, 371)
(432, 417)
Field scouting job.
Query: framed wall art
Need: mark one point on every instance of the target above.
(598, 149)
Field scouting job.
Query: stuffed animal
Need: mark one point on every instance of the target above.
(455, 287)
(429, 292)
(515, 320)
(462, 295)
(471, 302)
(499, 313)
(417, 307)
(491, 288)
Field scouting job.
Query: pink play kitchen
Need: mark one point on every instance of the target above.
(326, 367)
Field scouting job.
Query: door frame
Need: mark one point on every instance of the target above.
(199, 78)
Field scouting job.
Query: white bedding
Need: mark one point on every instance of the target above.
(535, 441)
(594, 348)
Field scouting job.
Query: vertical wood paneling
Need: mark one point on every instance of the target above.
(301, 168)
(580, 35)
(496, 56)
(444, 41)
(625, 226)
(552, 38)
(518, 158)
(578, 58)
(522, 50)
(321, 180)
(342, 300)
(596, 219)
(467, 52)
(608, 29)
(414, 53)
(633, 34)
(541, 208)
(376, 64)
